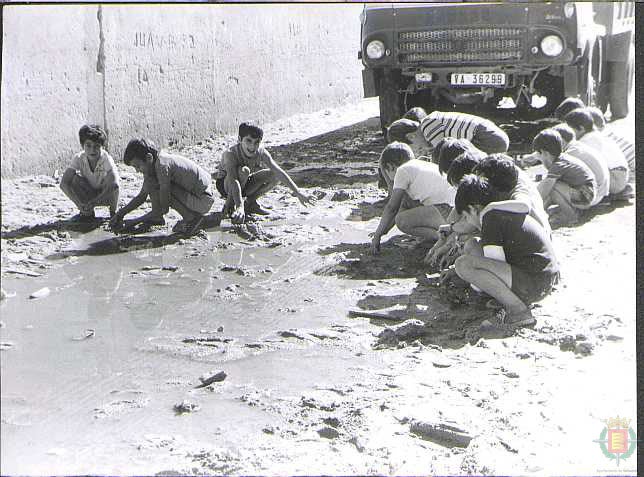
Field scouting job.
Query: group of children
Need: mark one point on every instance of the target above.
(245, 172)
(448, 177)
(488, 218)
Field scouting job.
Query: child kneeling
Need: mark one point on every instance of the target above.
(514, 261)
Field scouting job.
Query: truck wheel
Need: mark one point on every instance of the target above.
(600, 74)
(390, 100)
(587, 82)
(621, 86)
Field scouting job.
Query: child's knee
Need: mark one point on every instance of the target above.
(401, 222)
(472, 246)
(243, 173)
(463, 266)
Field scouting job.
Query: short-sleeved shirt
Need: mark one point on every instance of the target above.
(172, 169)
(526, 191)
(572, 171)
(258, 162)
(627, 147)
(97, 177)
(422, 182)
(525, 243)
(596, 163)
(610, 152)
(438, 125)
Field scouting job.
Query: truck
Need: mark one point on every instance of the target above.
(524, 56)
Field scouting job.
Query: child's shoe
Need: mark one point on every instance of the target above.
(252, 207)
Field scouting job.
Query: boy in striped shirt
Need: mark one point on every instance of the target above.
(481, 132)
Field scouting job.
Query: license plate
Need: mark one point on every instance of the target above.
(478, 79)
(423, 77)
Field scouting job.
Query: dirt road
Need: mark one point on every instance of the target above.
(107, 371)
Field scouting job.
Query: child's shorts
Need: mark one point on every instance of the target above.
(531, 287)
(491, 141)
(219, 184)
(618, 179)
(85, 192)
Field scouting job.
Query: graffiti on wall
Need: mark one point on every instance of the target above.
(167, 41)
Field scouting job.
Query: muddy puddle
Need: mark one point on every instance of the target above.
(286, 347)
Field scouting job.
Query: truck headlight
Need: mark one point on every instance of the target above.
(569, 9)
(551, 45)
(375, 50)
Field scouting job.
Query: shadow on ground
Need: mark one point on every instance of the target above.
(399, 257)
(129, 239)
(449, 315)
(58, 225)
(346, 156)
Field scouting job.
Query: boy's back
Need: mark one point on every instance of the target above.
(181, 171)
(572, 171)
(422, 182)
(611, 153)
(595, 162)
(525, 242)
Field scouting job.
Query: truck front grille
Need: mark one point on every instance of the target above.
(505, 44)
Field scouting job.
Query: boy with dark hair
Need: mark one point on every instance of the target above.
(449, 148)
(462, 165)
(514, 185)
(247, 170)
(417, 192)
(169, 180)
(514, 260)
(481, 132)
(92, 179)
(567, 105)
(588, 156)
(570, 183)
(416, 114)
(400, 131)
(581, 121)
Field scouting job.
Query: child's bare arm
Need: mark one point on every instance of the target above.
(232, 175)
(109, 186)
(135, 203)
(545, 187)
(388, 218)
(283, 177)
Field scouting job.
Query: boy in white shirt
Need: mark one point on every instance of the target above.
(418, 188)
(92, 179)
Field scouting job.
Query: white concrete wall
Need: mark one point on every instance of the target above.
(50, 85)
(174, 73)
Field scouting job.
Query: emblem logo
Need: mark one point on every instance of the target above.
(617, 440)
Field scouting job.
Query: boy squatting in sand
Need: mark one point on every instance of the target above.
(248, 170)
(92, 178)
(514, 260)
(417, 192)
(171, 181)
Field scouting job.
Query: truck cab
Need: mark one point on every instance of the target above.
(525, 56)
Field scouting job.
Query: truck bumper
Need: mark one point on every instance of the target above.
(369, 83)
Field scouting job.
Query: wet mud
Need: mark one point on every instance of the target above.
(283, 346)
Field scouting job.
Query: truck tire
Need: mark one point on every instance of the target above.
(621, 86)
(586, 80)
(600, 74)
(390, 100)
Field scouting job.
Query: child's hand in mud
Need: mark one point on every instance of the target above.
(237, 216)
(436, 253)
(375, 243)
(305, 199)
(116, 222)
(446, 276)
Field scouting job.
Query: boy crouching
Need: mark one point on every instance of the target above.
(514, 261)
(92, 179)
(170, 180)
